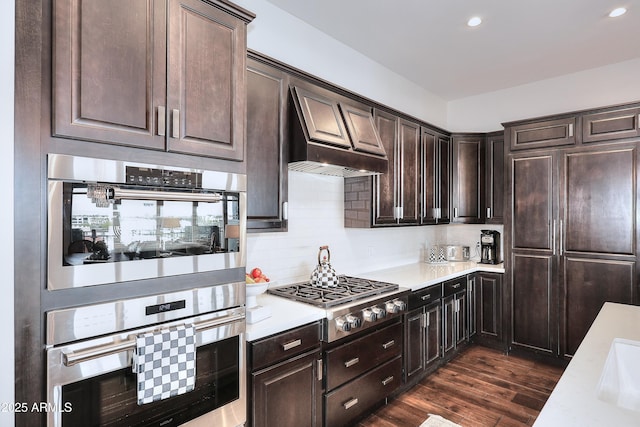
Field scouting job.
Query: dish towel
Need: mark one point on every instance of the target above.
(165, 362)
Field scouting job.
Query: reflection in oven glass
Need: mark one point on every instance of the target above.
(111, 399)
(130, 229)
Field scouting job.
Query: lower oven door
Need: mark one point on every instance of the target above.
(92, 384)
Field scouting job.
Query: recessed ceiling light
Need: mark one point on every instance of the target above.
(617, 12)
(474, 22)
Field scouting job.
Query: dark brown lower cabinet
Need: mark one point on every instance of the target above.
(288, 394)
(285, 379)
(423, 337)
(489, 309)
(589, 283)
(361, 373)
(455, 311)
(349, 402)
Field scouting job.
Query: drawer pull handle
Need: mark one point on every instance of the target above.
(388, 344)
(426, 297)
(387, 380)
(350, 403)
(290, 345)
(350, 363)
(456, 286)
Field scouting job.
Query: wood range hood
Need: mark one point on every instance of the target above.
(333, 135)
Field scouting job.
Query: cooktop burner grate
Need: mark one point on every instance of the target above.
(348, 289)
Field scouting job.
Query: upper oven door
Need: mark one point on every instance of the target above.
(113, 221)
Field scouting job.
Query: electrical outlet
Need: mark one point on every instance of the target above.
(477, 245)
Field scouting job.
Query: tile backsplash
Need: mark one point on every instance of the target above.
(316, 218)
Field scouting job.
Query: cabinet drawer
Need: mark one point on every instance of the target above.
(611, 125)
(285, 345)
(456, 285)
(356, 357)
(425, 296)
(353, 399)
(549, 133)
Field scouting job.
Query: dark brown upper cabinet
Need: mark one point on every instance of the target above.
(494, 178)
(267, 144)
(548, 133)
(152, 74)
(468, 172)
(435, 177)
(396, 194)
(611, 125)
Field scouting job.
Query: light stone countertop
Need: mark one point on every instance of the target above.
(419, 275)
(574, 401)
(287, 314)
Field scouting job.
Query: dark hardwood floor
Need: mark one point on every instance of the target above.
(480, 387)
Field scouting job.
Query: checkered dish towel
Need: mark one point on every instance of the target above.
(165, 362)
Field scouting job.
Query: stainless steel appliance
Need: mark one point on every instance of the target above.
(490, 247)
(116, 221)
(89, 354)
(354, 305)
(457, 253)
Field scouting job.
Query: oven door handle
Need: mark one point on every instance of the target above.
(132, 194)
(75, 357)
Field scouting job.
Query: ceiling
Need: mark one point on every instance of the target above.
(429, 43)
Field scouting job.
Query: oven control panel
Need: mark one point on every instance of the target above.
(163, 177)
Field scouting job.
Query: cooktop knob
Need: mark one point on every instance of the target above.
(400, 304)
(354, 321)
(379, 312)
(342, 324)
(368, 315)
(391, 307)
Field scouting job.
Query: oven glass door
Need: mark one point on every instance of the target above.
(139, 233)
(137, 228)
(110, 399)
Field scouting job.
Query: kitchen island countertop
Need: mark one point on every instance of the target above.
(574, 400)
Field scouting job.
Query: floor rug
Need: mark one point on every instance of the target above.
(438, 421)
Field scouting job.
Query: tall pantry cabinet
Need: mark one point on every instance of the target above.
(571, 230)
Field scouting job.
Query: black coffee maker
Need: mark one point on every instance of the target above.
(490, 247)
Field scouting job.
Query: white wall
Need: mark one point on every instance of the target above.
(7, 378)
(598, 87)
(316, 218)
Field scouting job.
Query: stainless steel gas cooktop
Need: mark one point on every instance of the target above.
(349, 289)
(354, 305)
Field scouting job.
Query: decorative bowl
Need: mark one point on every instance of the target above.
(253, 290)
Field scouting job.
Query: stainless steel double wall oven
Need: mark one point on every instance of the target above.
(126, 232)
